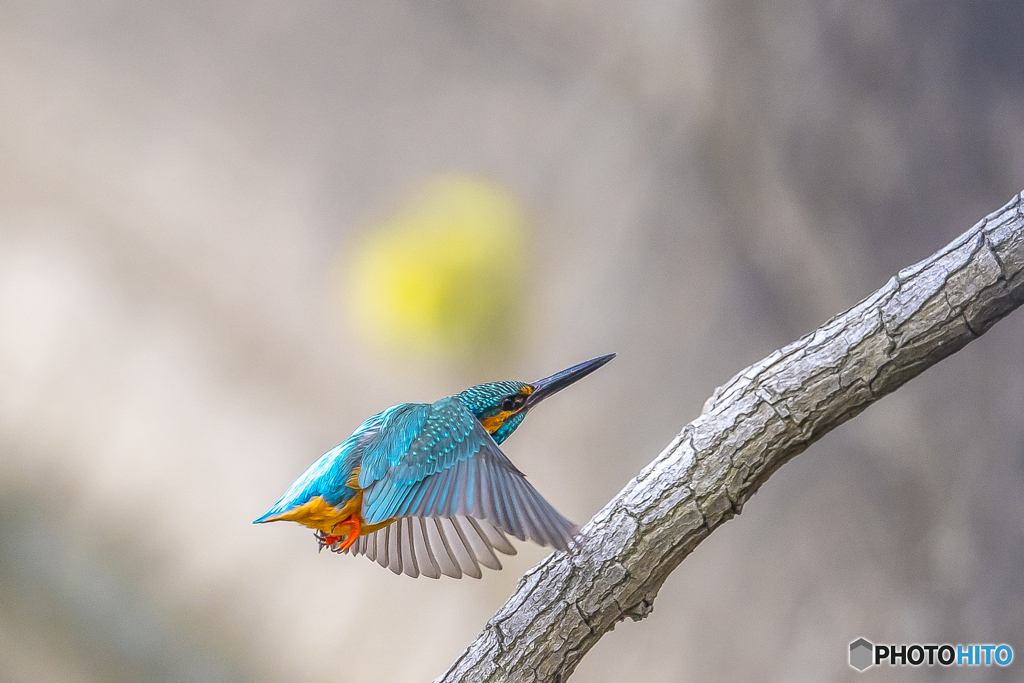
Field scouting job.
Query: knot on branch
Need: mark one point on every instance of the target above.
(640, 610)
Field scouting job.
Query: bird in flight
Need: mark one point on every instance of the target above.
(423, 488)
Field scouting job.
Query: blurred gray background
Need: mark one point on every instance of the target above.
(706, 181)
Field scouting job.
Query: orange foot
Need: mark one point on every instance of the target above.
(354, 528)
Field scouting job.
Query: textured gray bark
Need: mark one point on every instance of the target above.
(761, 418)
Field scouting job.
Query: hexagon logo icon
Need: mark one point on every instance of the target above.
(861, 652)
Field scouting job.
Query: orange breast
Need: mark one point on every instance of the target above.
(494, 422)
(332, 520)
(316, 513)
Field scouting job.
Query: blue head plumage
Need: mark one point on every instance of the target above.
(501, 406)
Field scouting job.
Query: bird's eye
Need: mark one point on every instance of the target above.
(513, 403)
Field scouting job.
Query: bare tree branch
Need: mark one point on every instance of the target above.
(761, 418)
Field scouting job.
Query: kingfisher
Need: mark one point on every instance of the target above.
(424, 489)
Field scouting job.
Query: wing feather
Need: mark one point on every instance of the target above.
(394, 547)
(409, 548)
(507, 511)
(383, 547)
(367, 546)
(528, 511)
(469, 482)
(443, 550)
(483, 550)
(497, 539)
(467, 558)
(427, 562)
(461, 502)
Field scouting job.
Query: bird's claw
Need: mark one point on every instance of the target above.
(337, 543)
(326, 541)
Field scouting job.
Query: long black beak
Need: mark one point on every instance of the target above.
(543, 388)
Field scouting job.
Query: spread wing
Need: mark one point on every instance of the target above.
(451, 468)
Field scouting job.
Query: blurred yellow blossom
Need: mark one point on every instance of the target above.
(445, 275)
